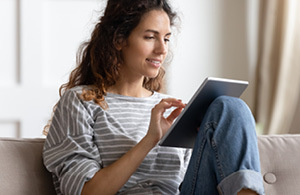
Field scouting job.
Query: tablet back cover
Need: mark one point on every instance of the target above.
(184, 130)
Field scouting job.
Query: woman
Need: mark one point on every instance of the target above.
(105, 129)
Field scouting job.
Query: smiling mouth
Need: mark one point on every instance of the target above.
(155, 63)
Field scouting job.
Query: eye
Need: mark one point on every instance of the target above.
(167, 40)
(149, 37)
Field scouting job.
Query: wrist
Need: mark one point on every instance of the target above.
(150, 141)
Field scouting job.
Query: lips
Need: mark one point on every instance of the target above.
(154, 62)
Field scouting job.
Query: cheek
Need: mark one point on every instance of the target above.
(143, 47)
(138, 51)
(145, 50)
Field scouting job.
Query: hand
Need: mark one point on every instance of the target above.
(159, 124)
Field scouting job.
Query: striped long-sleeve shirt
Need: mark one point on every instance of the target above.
(83, 138)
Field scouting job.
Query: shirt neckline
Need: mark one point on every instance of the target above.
(124, 97)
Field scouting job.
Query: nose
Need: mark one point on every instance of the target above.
(161, 47)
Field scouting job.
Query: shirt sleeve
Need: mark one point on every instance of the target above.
(69, 151)
(187, 157)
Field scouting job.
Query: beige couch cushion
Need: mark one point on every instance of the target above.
(280, 164)
(21, 168)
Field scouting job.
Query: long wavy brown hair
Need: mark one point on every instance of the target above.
(99, 60)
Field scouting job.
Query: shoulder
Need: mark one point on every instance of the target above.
(72, 117)
(73, 92)
(71, 100)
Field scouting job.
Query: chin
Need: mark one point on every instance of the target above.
(152, 76)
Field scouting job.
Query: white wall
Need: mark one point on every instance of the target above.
(39, 39)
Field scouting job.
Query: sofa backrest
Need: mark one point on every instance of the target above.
(22, 170)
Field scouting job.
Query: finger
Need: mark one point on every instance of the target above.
(164, 104)
(169, 102)
(174, 114)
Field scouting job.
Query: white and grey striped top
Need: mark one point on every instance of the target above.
(83, 138)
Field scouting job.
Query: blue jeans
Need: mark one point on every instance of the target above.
(225, 157)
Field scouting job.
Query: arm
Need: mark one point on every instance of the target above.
(105, 180)
(69, 151)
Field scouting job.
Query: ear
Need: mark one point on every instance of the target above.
(119, 44)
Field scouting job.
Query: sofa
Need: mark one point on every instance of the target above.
(22, 171)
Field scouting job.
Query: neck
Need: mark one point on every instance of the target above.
(133, 89)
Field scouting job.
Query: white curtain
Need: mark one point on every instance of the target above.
(278, 67)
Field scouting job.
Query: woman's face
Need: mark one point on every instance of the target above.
(147, 46)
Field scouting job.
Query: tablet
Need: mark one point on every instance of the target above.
(184, 130)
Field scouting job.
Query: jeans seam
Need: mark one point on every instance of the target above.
(199, 156)
(215, 149)
(219, 166)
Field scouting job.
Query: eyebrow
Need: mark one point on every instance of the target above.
(156, 32)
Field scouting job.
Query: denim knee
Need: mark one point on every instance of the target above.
(230, 102)
(235, 108)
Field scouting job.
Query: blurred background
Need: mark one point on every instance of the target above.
(250, 40)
